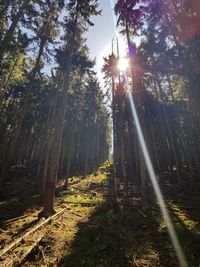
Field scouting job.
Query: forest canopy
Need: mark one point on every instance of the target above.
(59, 126)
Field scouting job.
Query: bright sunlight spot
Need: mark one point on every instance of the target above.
(123, 64)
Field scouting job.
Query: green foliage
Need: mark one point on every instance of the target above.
(35, 37)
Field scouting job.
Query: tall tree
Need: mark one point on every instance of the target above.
(79, 12)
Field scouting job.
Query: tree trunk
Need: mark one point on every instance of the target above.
(143, 181)
(58, 131)
(11, 152)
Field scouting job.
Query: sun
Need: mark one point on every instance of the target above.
(123, 64)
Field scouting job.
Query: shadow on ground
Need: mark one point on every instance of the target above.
(128, 238)
(20, 196)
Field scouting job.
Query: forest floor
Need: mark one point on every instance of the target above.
(90, 233)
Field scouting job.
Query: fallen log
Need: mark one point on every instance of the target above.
(18, 262)
(20, 239)
(16, 218)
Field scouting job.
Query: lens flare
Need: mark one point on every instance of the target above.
(170, 227)
(123, 64)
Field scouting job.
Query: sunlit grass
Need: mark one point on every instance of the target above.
(190, 224)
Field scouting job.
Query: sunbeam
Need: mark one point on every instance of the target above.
(159, 195)
(123, 64)
(171, 230)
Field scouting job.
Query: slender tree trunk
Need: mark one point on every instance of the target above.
(143, 179)
(86, 161)
(114, 180)
(172, 145)
(11, 153)
(58, 131)
(22, 114)
(40, 53)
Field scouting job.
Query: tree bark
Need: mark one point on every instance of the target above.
(58, 131)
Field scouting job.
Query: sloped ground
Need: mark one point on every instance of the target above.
(90, 233)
